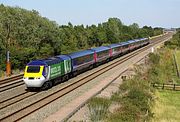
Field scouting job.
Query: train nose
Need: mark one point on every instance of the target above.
(34, 82)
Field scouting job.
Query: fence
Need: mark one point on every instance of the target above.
(175, 87)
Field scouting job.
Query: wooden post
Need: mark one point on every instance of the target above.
(174, 88)
(163, 86)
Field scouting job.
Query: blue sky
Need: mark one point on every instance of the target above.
(156, 13)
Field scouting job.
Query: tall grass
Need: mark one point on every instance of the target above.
(98, 108)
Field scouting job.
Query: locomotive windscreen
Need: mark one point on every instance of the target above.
(33, 69)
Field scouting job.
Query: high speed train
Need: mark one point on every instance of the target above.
(47, 72)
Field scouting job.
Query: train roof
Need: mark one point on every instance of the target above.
(63, 57)
(123, 43)
(137, 40)
(81, 53)
(52, 60)
(131, 41)
(143, 39)
(45, 62)
(114, 45)
(37, 62)
(99, 49)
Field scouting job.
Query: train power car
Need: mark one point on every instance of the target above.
(41, 73)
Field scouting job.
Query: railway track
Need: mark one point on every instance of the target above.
(12, 82)
(11, 85)
(38, 104)
(11, 79)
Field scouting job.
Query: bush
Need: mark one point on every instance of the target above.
(127, 113)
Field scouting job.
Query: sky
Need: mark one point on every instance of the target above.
(155, 13)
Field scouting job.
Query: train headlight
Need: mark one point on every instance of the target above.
(38, 78)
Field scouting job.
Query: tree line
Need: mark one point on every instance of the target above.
(29, 36)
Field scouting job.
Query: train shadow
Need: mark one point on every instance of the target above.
(33, 90)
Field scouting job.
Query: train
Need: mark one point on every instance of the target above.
(45, 73)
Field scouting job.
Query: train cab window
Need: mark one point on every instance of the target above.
(33, 69)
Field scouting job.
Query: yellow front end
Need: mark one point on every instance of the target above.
(34, 79)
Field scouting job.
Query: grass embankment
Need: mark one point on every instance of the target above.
(167, 106)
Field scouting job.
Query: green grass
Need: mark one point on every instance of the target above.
(167, 107)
